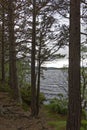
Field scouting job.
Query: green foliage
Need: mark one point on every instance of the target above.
(25, 106)
(42, 98)
(81, 128)
(26, 95)
(23, 72)
(84, 125)
(58, 106)
(84, 114)
(5, 88)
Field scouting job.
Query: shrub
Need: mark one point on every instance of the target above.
(5, 88)
(58, 106)
(84, 114)
(25, 107)
(26, 95)
(84, 124)
(42, 98)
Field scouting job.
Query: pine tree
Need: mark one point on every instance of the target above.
(12, 52)
(74, 115)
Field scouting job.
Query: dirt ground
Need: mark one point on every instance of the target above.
(13, 117)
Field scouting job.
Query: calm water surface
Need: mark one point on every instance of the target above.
(55, 81)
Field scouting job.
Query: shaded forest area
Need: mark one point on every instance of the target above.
(30, 35)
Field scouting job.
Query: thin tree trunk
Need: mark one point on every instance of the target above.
(3, 51)
(74, 115)
(33, 76)
(38, 81)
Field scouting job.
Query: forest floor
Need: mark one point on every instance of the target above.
(13, 116)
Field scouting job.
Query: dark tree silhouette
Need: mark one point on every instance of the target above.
(33, 77)
(74, 114)
(12, 51)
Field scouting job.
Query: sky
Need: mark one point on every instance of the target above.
(59, 63)
(64, 62)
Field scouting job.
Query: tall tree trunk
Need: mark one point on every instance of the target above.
(74, 115)
(33, 76)
(38, 80)
(3, 51)
(12, 52)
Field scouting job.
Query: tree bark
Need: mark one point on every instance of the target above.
(12, 53)
(3, 44)
(33, 51)
(38, 79)
(74, 115)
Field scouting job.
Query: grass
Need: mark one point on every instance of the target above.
(55, 120)
(59, 125)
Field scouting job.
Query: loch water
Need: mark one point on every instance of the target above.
(55, 82)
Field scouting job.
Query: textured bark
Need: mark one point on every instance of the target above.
(2, 46)
(74, 114)
(12, 52)
(33, 76)
(38, 80)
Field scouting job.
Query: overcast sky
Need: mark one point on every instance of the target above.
(64, 62)
(60, 62)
